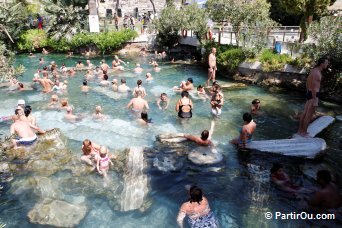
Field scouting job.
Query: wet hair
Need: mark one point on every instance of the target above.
(21, 85)
(205, 135)
(185, 94)
(247, 117)
(215, 83)
(190, 80)
(144, 117)
(105, 77)
(324, 175)
(80, 62)
(85, 82)
(195, 194)
(139, 82)
(321, 61)
(163, 94)
(199, 87)
(27, 110)
(256, 101)
(123, 80)
(45, 68)
(40, 59)
(276, 167)
(18, 112)
(87, 146)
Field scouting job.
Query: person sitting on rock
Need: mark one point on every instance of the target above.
(90, 151)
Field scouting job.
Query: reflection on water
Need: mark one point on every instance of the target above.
(239, 194)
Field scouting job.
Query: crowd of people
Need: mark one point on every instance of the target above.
(53, 79)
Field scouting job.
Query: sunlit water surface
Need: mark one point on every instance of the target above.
(239, 195)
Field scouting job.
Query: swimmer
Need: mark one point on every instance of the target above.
(21, 104)
(103, 162)
(149, 77)
(90, 152)
(89, 75)
(246, 131)
(255, 107)
(184, 106)
(104, 66)
(41, 61)
(205, 139)
(216, 103)
(105, 81)
(98, 72)
(45, 52)
(144, 118)
(328, 197)
(70, 54)
(70, 116)
(56, 86)
(98, 113)
(65, 85)
(84, 87)
(71, 72)
(163, 54)
(138, 103)
(281, 179)
(115, 85)
(198, 211)
(138, 69)
(185, 86)
(45, 83)
(123, 88)
(89, 64)
(54, 103)
(64, 104)
(139, 88)
(31, 55)
(156, 68)
(163, 101)
(21, 86)
(63, 68)
(79, 65)
(22, 129)
(201, 93)
(28, 117)
(45, 72)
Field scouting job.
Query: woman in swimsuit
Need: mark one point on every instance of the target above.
(246, 131)
(184, 106)
(198, 211)
(90, 151)
(139, 88)
(103, 162)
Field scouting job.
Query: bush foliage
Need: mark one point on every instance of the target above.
(34, 40)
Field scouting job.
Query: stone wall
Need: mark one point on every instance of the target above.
(128, 6)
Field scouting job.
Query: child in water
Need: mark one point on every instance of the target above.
(103, 162)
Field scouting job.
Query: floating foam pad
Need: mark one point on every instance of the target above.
(317, 126)
(171, 138)
(205, 156)
(298, 147)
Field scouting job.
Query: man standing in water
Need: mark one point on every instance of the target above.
(313, 85)
(138, 103)
(45, 83)
(212, 66)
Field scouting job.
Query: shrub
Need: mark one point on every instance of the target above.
(231, 58)
(271, 61)
(32, 39)
(61, 45)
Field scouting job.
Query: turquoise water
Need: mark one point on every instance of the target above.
(239, 195)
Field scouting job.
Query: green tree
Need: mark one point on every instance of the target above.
(13, 18)
(239, 14)
(66, 21)
(309, 8)
(327, 39)
(172, 20)
(7, 71)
